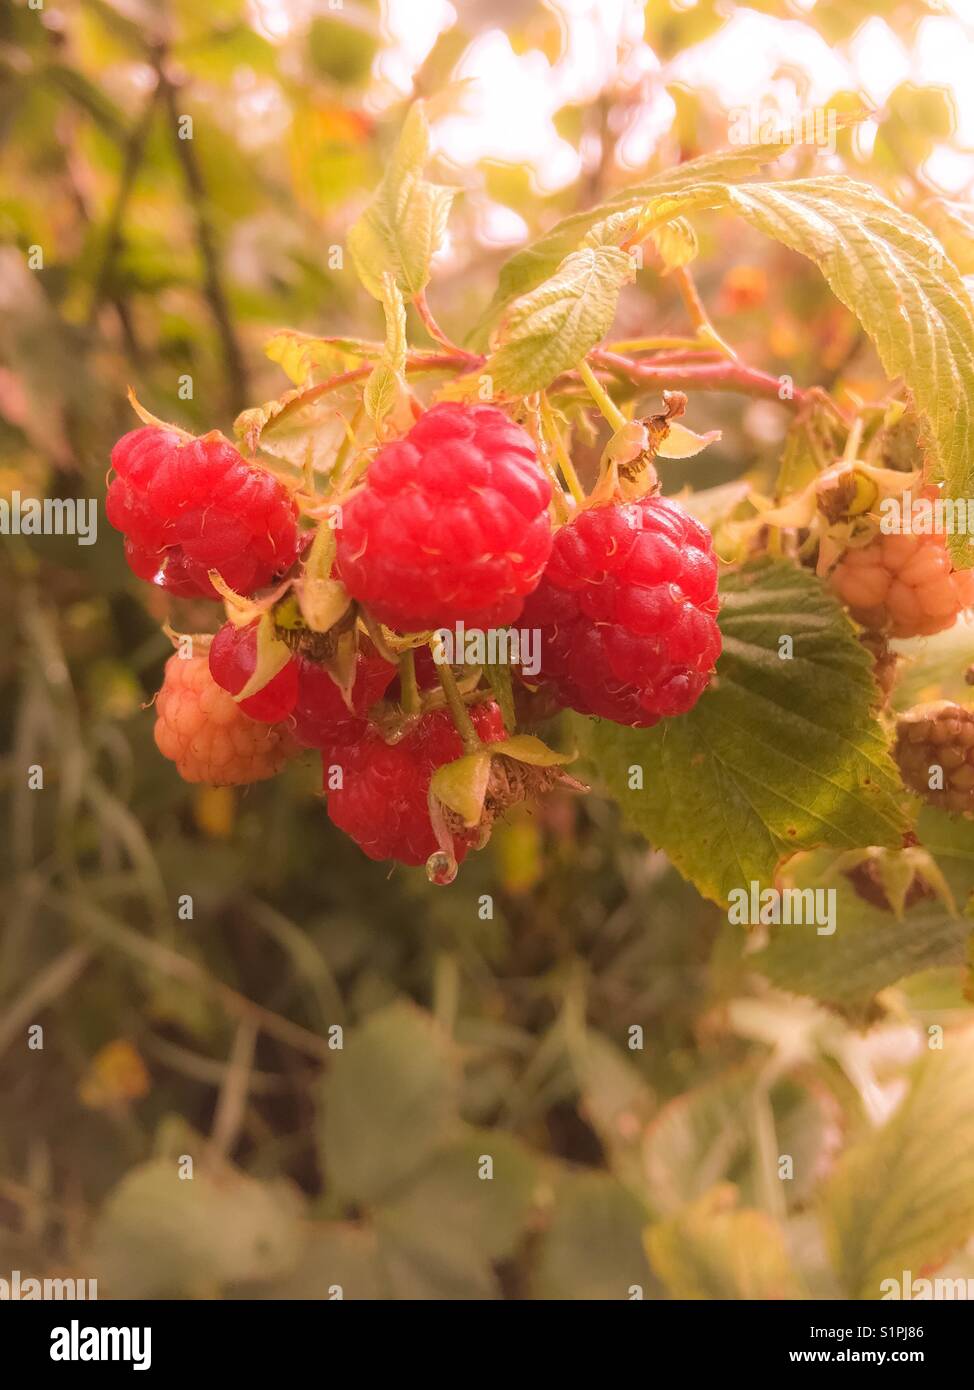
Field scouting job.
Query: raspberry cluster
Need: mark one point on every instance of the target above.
(450, 525)
(935, 752)
(903, 585)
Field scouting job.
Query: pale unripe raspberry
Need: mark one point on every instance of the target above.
(935, 745)
(206, 733)
(903, 585)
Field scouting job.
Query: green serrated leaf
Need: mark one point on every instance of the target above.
(462, 785)
(382, 392)
(869, 952)
(902, 1197)
(439, 1238)
(614, 221)
(404, 224)
(388, 1103)
(592, 1247)
(550, 329)
(779, 755)
(159, 1236)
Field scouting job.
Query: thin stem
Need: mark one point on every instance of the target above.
(851, 451)
(134, 151)
(559, 503)
(561, 453)
(408, 686)
(601, 397)
(433, 328)
(659, 345)
(213, 287)
(695, 307)
(461, 715)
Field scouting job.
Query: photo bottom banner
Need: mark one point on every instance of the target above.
(169, 1338)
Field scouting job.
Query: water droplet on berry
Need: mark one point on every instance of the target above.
(441, 868)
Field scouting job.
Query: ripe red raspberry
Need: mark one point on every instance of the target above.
(321, 718)
(201, 729)
(382, 801)
(627, 611)
(935, 744)
(903, 585)
(303, 689)
(233, 660)
(451, 524)
(189, 506)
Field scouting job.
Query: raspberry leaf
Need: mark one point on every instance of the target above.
(902, 1197)
(616, 220)
(782, 753)
(404, 224)
(385, 389)
(550, 329)
(306, 359)
(389, 1103)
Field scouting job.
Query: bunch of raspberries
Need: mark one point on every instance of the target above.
(450, 526)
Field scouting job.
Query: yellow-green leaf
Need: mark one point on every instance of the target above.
(550, 329)
(902, 1197)
(715, 1250)
(404, 224)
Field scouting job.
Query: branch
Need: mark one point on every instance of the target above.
(212, 280)
(705, 376)
(132, 160)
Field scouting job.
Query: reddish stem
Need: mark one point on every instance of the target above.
(714, 376)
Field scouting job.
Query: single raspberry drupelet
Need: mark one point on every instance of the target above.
(935, 752)
(382, 801)
(627, 610)
(205, 733)
(451, 524)
(321, 718)
(903, 585)
(189, 506)
(233, 660)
